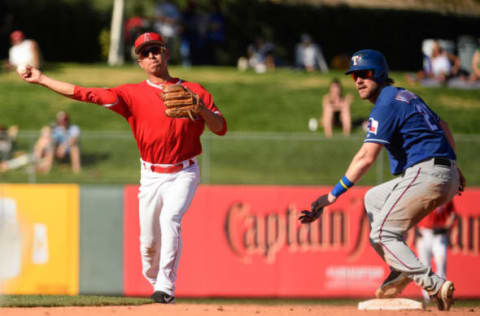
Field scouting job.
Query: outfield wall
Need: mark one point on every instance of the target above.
(238, 241)
(39, 245)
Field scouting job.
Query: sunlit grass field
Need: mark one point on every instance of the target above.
(280, 101)
(268, 140)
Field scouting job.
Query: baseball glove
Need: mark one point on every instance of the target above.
(180, 102)
(310, 216)
(315, 213)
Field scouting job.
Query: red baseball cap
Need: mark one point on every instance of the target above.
(17, 35)
(146, 39)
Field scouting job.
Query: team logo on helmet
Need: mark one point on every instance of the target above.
(356, 59)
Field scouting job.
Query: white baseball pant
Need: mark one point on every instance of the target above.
(163, 201)
(397, 205)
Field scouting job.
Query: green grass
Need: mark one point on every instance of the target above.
(92, 300)
(64, 300)
(279, 101)
(268, 140)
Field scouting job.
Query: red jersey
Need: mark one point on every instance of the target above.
(438, 217)
(160, 139)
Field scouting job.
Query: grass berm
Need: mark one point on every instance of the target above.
(268, 140)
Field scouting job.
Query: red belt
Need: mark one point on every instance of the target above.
(171, 169)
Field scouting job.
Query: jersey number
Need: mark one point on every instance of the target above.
(427, 116)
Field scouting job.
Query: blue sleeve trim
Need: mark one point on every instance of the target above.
(376, 140)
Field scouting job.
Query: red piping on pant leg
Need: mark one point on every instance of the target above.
(389, 211)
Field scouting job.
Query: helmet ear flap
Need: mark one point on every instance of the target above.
(380, 76)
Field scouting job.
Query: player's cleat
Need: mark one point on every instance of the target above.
(444, 297)
(163, 298)
(393, 285)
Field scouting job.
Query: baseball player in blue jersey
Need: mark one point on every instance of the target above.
(421, 151)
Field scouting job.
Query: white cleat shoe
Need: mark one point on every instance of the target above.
(444, 297)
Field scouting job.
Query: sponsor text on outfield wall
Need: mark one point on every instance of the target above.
(247, 241)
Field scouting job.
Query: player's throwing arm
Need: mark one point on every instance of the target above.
(167, 116)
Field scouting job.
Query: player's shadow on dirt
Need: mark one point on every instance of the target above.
(90, 159)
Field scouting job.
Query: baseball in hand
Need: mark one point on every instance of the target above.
(22, 70)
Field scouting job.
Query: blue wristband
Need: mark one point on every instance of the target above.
(341, 187)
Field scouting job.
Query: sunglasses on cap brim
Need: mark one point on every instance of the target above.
(363, 74)
(154, 49)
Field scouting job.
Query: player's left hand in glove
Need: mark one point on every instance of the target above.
(181, 102)
(310, 216)
(316, 209)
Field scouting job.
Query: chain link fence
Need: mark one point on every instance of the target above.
(236, 158)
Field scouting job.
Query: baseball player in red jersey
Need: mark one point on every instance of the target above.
(168, 147)
(432, 241)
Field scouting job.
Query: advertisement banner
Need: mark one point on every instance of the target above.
(134, 282)
(39, 239)
(247, 241)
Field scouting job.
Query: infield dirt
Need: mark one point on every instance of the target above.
(224, 310)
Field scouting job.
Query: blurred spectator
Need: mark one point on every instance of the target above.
(260, 56)
(22, 52)
(60, 141)
(134, 26)
(215, 33)
(466, 47)
(10, 158)
(194, 35)
(475, 76)
(335, 102)
(189, 33)
(432, 241)
(469, 74)
(167, 23)
(427, 48)
(8, 137)
(66, 139)
(43, 150)
(444, 64)
(439, 66)
(309, 56)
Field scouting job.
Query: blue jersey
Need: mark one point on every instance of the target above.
(408, 128)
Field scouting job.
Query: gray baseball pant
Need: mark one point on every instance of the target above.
(397, 205)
